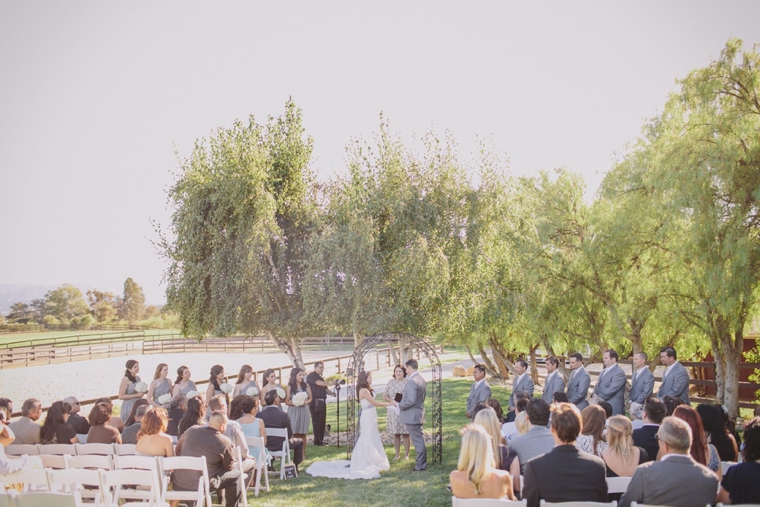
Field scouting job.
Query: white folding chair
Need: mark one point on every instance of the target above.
(82, 437)
(55, 461)
(32, 480)
(6, 500)
(73, 499)
(261, 463)
(126, 449)
(112, 482)
(91, 462)
(544, 503)
(725, 465)
(486, 502)
(75, 479)
(243, 478)
(617, 484)
(60, 449)
(19, 449)
(99, 449)
(148, 463)
(284, 454)
(200, 495)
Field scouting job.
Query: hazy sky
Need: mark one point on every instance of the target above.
(96, 96)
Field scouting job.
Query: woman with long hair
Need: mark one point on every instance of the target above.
(300, 417)
(702, 452)
(496, 406)
(476, 475)
(268, 383)
(716, 432)
(194, 415)
(395, 386)
(100, 431)
(740, 485)
(215, 381)
(127, 392)
(245, 380)
(621, 457)
(133, 415)
(183, 384)
(504, 458)
(160, 385)
(55, 430)
(591, 439)
(152, 439)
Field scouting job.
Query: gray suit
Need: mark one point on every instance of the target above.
(478, 393)
(26, 431)
(555, 385)
(678, 481)
(525, 384)
(676, 384)
(537, 441)
(610, 387)
(577, 388)
(642, 385)
(412, 407)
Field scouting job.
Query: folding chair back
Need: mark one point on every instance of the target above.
(261, 463)
(49, 499)
(113, 482)
(82, 437)
(55, 461)
(169, 465)
(74, 479)
(19, 449)
(60, 449)
(92, 462)
(284, 454)
(99, 449)
(148, 463)
(617, 484)
(126, 449)
(5, 499)
(243, 477)
(30, 480)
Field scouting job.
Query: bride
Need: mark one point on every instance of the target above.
(369, 457)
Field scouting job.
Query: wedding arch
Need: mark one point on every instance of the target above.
(433, 408)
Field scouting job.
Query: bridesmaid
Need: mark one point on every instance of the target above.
(127, 392)
(183, 384)
(269, 382)
(299, 415)
(215, 382)
(160, 385)
(245, 380)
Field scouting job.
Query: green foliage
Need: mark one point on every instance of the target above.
(132, 304)
(102, 305)
(65, 303)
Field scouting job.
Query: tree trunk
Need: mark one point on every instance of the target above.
(291, 347)
(493, 370)
(499, 356)
(392, 350)
(533, 368)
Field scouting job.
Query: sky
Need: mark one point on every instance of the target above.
(99, 101)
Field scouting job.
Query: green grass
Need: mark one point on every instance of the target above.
(397, 487)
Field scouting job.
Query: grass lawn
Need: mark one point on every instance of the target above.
(397, 487)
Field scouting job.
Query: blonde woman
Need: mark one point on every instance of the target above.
(621, 457)
(476, 475)
(522, 423)
(160, 385)
(504, 458)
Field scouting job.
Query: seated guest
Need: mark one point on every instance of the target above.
(565, 474)
(7, 405)
(671, 402)
(142, 402)
(115, 422)
(476, 475)
(209, 442)
(512, 414)
(177, 408)
(129, 435)
(538, 440)
(100, 431)
(195, 415)
(621, 457)
(676, 480)
(591, 439)
(702, 452)
(646, 436)
(26, 429)
(233, 431)
(76, 421)
(152, 439)
(740, 485)
(717, 432)
(253, 426)
(496, 406)
(509, 429)
(560, 397)
(274, 417)
(607, 409)
(54, 429)
(504, 457)
(6, 438)
(522, 424)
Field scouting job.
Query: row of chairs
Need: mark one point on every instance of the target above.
(70, 449)
(40, 499)
(491, 502)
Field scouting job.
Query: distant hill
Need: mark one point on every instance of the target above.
(13, 293)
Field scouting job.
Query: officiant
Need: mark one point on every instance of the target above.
(393, 390)
(318, 406)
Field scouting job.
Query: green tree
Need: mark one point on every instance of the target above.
(131, 306)
(102, 305)
(245, 211)
(20, 313)
(66, 303)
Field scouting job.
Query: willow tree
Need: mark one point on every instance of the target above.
(244, 213)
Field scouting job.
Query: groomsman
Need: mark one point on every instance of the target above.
(479, 391)
(579, 382)
(522, 382)
(554, 382)
(642, 384)
(675, 380)
(610, 386)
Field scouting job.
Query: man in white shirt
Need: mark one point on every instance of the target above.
(522, 382)
(554, 381)
(479, 391)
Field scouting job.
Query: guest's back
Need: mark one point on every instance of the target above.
(496, 485)
(274, 417)
(646, 438)
(537, 441)
(565, 475)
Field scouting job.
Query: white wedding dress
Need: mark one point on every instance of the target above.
(368, 457)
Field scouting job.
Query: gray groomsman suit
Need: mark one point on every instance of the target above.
(610, 387)
(525, 384)
(642, 385)
(412, 407)
(554, 385)
(478, 392)
(577, 387)
(675, 383)
(678, 481)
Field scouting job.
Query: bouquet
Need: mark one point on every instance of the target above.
(281, 393)
(299, 399)
(252, 391)
(192, 394)
(141, 387)
(164, 399)
(226, 388)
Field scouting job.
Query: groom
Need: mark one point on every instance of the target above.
(411, 407)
